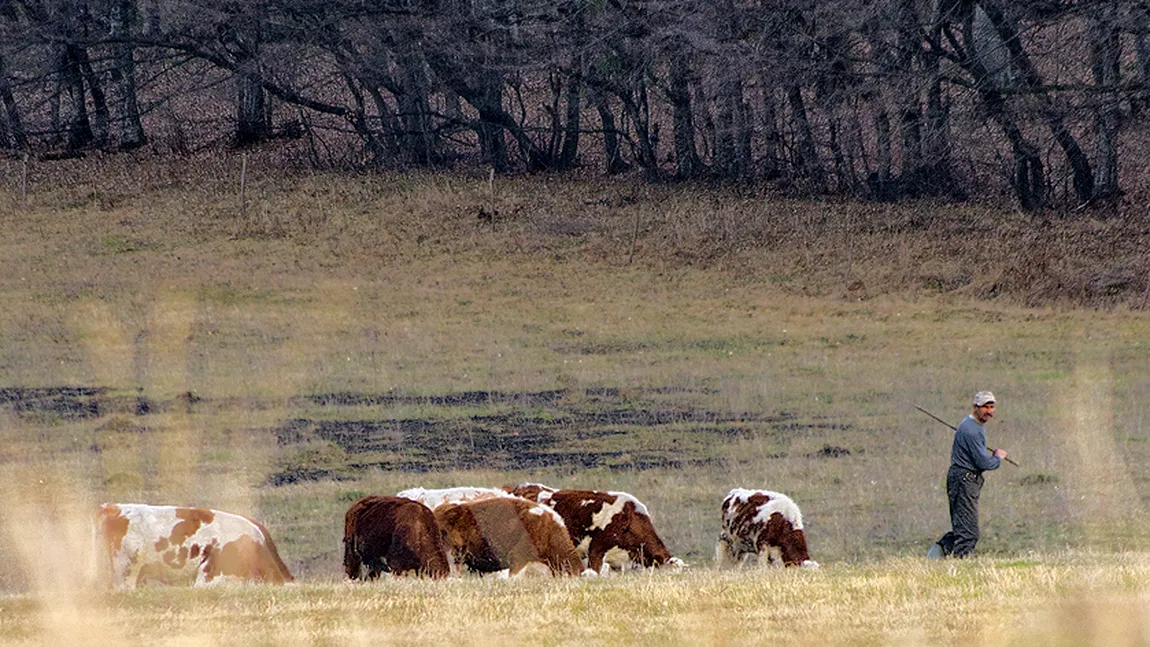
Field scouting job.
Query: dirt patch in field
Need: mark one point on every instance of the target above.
(611, 428)
(67, 402)
(596, 428)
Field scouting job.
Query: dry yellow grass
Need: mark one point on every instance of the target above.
(1057, 599)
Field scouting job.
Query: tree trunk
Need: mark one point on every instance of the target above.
(417, 140)
(493, 148)
(687, 163)
(936, 177)
(731, 150)
(382, 139)
(772, 139)
(100, 116)
(128, 125)
(569, 153)
(1141, 15)
(252, 119)
(360, 123)
(1029, 175)
(1083, 176)
(807, 163)
(744, 132)
(843, 171)
(882, 185)
(612, 151)
(646, 142)
(1105, 57)
(251, 110)
(14, 122)
(78, 129)
(908, 106)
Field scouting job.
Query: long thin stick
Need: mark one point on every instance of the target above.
(1008, 460)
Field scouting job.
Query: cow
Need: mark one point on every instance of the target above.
(507, 533)
(762, 523)
(137, 544)
(612, 530)
(435, 498)
(395, 535)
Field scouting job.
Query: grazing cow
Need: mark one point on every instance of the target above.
(392, 535)
(612, 530)
(435, 498)
(142, 544)
(762, 523)
(491, 535)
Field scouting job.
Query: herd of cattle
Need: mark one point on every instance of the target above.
(512, 531)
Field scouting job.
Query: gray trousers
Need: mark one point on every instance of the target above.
(962, 490)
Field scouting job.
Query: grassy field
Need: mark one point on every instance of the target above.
(1057, 600)
(162, 341)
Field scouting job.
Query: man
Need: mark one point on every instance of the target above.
(969, 458)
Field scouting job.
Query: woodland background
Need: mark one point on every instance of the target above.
(1036, 103)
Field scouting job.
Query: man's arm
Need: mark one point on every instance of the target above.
(974, 444)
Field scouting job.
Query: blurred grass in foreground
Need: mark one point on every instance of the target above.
(1054, 599)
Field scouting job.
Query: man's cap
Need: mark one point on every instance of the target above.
(983, 397)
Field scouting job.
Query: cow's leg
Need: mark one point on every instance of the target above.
(529, 570)
(595, 552)
(771, 556)
(618, 559)
(375, 567)
(401, 559)
(135, 573)
(724, 550)
(352, 563)
(124, 573)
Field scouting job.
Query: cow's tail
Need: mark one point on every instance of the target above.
(100, 568)
(275, 554)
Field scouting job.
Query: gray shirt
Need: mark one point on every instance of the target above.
(969, 451)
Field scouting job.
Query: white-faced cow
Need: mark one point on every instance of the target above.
(395, 535)
(437, 497)
(612, 530)
(507, 533)
(762, 523)
(140, 544)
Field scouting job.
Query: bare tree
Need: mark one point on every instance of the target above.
(1105, 67)
(122, 15)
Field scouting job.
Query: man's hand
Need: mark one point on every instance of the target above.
(1001, 453)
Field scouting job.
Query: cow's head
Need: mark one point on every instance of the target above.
(638, 537)
(463, 539)
(794, 549)
(791, 541)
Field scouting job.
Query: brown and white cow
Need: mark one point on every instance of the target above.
(762, 523)
(612, 530)
(395, 535)
(139, 544)
(508, 533)
(434, 498)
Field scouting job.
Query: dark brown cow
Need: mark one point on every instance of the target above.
(762, 523)
(138, 544)
(612, 530)
(512, 534)
(395, 535)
